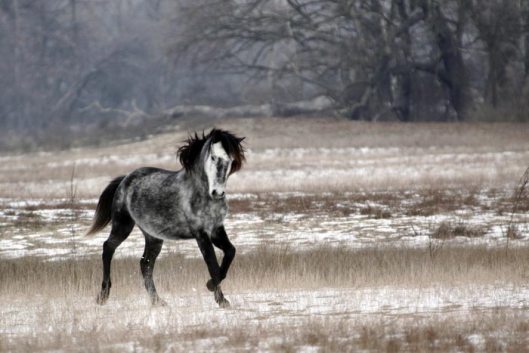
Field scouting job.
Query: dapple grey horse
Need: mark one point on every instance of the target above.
(167, 205)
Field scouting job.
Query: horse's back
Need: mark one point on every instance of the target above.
(144, 182)
(153, 198)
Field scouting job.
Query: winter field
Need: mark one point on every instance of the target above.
(351, 237)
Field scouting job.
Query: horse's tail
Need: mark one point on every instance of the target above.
(103, 213)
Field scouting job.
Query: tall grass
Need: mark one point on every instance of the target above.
(276, 268)
(68, 325)
(74, 323)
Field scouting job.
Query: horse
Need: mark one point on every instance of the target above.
(189, 203)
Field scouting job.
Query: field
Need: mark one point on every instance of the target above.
(350, 237)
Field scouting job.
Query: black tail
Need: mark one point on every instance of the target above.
(104, 206)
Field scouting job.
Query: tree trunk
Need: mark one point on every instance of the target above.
(402, 87)
(453, 74)
(491, 88)
(525, 37)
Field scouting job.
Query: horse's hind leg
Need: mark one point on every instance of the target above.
(153, 246)
(121, 227)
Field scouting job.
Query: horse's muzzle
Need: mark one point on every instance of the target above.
(218, 195)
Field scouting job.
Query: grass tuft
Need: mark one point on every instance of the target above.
(375, 212)
(447, 230)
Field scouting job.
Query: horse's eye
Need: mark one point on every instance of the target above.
(213, 158)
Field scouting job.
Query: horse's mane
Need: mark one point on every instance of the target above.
(190, 152)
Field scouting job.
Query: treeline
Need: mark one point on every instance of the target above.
(76, 62)
(83, 63)
(400, 59)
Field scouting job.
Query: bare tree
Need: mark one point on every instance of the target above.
(499, 23)
(72, 63)
(359, 53)
(453, 72)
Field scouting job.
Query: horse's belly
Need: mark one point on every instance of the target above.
(163, 228)
(173, 235)
(172, 231)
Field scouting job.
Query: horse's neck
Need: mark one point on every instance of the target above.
(197, 181)
(197, 199)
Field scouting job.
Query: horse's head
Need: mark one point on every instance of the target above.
(217, 166)
(224, 156)
(218, 154)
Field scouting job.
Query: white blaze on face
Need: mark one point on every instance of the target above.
(218, 151)
(217, 166)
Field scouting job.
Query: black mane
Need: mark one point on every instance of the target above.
(190, 152)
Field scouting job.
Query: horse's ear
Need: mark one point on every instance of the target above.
(241, 139)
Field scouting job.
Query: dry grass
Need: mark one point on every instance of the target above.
(67, 284)
(513, 233)
(335, 204)
(375, 212)
(379, 205)
(517, 202)
(448, 230)
(434, 201)
(27, 220)
(274, 268)
(475, 333)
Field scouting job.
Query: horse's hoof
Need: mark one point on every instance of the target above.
(220, 299)
(211, 285)
(224, 303)
(101, 299)
(159, 302)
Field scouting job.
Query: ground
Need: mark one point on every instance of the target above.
(350, 237)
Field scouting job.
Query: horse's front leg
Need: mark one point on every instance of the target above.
(221, 241)
(206, 247)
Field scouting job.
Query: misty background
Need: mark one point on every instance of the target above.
(72, 68)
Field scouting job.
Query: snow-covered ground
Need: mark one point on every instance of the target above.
(45, 229)
(342, 190)
(265, 314)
